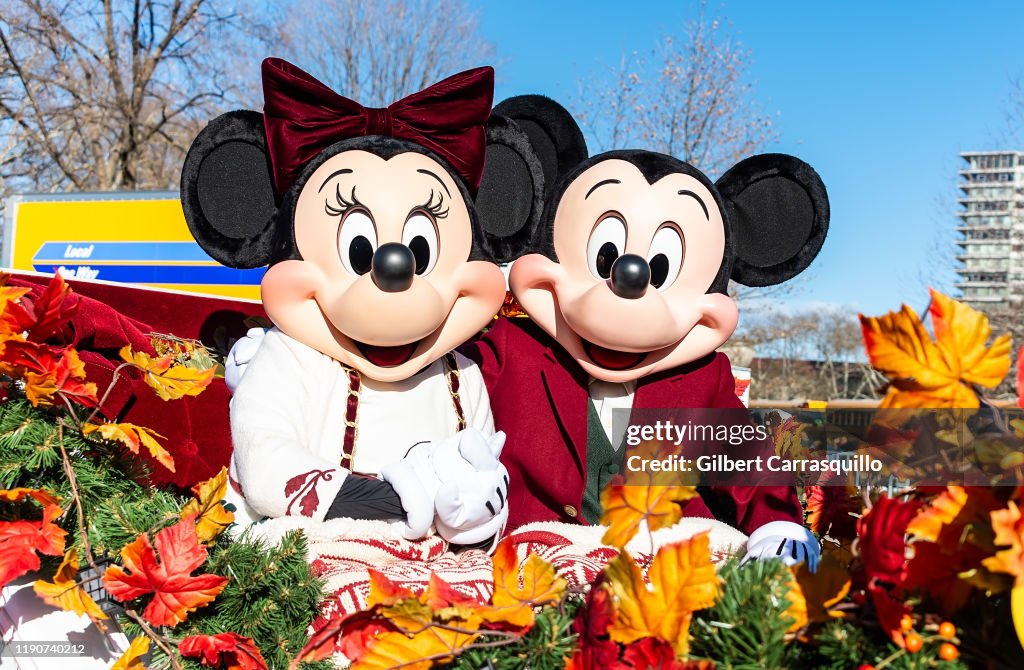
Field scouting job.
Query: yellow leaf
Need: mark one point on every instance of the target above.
(1017, 611)
(170, 382)
(132, 658)
(517, 592)
(212, 519)
(66, 593)
(941, 511)
(939, 373)
(133, 437)
(682, 580)
(813, 594)
(626, 507)
(418, 650)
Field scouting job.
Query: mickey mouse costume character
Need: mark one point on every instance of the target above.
(370, 222)
(627, 298)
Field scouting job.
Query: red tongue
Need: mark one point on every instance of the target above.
(388, 357)
(613, 360)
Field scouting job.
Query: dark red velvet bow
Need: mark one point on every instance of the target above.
(303, 117)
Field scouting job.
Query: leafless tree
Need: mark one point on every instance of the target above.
(689, 97)
(105, 94)
(378, 52)
(808, 355)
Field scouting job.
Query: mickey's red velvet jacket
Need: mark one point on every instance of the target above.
(539, 398)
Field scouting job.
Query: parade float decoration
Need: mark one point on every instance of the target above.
(920, 577)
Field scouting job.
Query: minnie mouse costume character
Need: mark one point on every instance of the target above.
(627, 297)
(370, 222)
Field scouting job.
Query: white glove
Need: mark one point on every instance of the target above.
(241, 353)
(416, 484)
(472, 502)
(786, 540)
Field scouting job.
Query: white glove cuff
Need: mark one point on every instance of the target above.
(778, 530)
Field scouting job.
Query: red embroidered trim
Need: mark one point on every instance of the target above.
(302, 490)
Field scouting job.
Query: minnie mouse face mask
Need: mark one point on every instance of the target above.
(366, 217)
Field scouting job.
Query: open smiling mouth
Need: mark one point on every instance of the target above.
(612, 359)
(387, 357)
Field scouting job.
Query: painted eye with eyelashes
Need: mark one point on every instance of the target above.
(357, 234)
(420, 232)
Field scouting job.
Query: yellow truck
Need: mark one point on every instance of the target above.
(131, 237)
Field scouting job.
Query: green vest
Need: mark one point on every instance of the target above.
(603, 463)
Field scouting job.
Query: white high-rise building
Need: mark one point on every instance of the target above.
(992, 230)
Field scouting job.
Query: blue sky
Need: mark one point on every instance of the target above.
(878, 97)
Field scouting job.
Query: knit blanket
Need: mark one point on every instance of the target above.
(341, 551)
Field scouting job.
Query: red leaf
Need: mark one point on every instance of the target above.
(650, 653)
(21, 540)
(229, 650)
(890, 611)
(52, 310)
(596, 649)
(831, 509)
(937, 572)
(175, 591)
(350, 635)
(882, 538)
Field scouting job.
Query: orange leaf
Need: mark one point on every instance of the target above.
(14, 318)
(683, 580)
(517, 592)
(175, 591)
(66, 593)
(418, 650)
(385, 592)
(169, 381)
(1008, 525)
(223, 650)
(20, 540)
(39, 495)
(132, 436)
(211, 517)
(131, 659)
(626, 507)
(813, 594)
(939, 373)
(962, 333)
(47, 371)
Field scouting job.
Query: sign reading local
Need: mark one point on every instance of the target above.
(133, 238)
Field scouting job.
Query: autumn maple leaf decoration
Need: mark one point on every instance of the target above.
(176, 592)
(935, 373)
(223, 650)
(22, 541)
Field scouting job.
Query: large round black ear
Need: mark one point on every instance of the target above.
(227, 191)
(554, 135)
(510, 200)
(778, 210)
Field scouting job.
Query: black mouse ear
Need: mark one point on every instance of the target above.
(554, 135)
(227, 191)
(778, 211)
(510, 200)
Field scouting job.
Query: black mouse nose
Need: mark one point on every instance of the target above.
(392, 268)
(630, 276)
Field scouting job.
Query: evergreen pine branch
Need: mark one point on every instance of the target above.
(746, 628)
